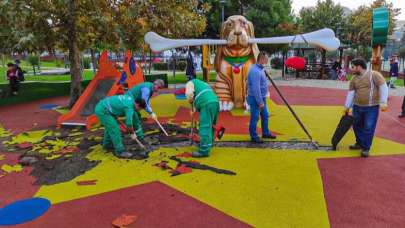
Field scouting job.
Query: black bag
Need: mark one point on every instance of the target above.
(342, 128)
(20, 74)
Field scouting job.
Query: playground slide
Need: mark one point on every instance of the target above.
(106, 82)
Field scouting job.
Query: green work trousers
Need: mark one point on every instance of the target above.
(112, 133)
(137, 124)
(208, 118)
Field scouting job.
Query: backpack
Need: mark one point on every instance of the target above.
(20, 74)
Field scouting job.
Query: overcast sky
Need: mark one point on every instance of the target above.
(352, 4)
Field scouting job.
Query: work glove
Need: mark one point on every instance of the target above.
(130, 130)
(346, 111)
(383, 107)
(153, 116)
(133, 136)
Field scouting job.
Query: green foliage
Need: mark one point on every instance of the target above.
(58, 63)
(359, 23)
(33, 60)
(171, 18)
(269, 17)
(276, 63)
(359, 52)
(86, 62)
(332, 54)
(180, 65)
(160, 66)
(326, 14)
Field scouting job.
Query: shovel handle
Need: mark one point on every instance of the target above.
(139, 143)
(161, 127)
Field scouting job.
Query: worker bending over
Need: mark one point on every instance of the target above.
(107, 110)
(205, 101)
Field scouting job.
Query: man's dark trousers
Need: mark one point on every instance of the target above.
(365, 122)
(255, 113)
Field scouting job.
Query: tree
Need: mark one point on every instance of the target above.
(270, 18)
(360, 22)
(171, 18)
(36, 27)
(326, 14)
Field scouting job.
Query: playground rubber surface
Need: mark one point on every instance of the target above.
(271, 188)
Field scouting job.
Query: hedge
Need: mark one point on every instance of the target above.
(180, 66)
(30, 91)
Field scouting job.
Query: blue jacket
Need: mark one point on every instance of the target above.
(394, 69)
(257, 85)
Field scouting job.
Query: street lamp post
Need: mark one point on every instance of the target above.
(222, 2)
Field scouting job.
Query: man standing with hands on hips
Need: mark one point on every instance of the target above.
(257, 90)
(368, 92)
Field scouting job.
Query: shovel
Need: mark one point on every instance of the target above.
(161, 127)
(124, 129)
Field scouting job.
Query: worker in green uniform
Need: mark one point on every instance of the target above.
(107, 110)
(144, 91)
(205, 101)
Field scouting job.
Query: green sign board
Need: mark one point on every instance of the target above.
(380, 26)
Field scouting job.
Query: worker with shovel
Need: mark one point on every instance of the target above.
(144, 91)
(107, 110)
(205, 101)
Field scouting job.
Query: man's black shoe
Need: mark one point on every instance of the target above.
(258, 141)
(364, 153)
(402, 115)
(355, 147)
(269, 136)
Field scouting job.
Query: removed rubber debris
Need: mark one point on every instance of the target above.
(181, 169)
(86, 182)
(184, 155)
(196, 165)
(61, 169)
(27, 160)
(25, 145)
(163, 165)
(124, 220)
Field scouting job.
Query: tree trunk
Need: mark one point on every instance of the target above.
(93, 60)
(74, 55)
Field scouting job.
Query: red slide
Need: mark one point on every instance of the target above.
(107, 82)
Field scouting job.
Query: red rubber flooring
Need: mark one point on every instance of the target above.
(23, 117)
(389, 125)
(365, 192)
(309, 96)
(155, 204)
(16, 185)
